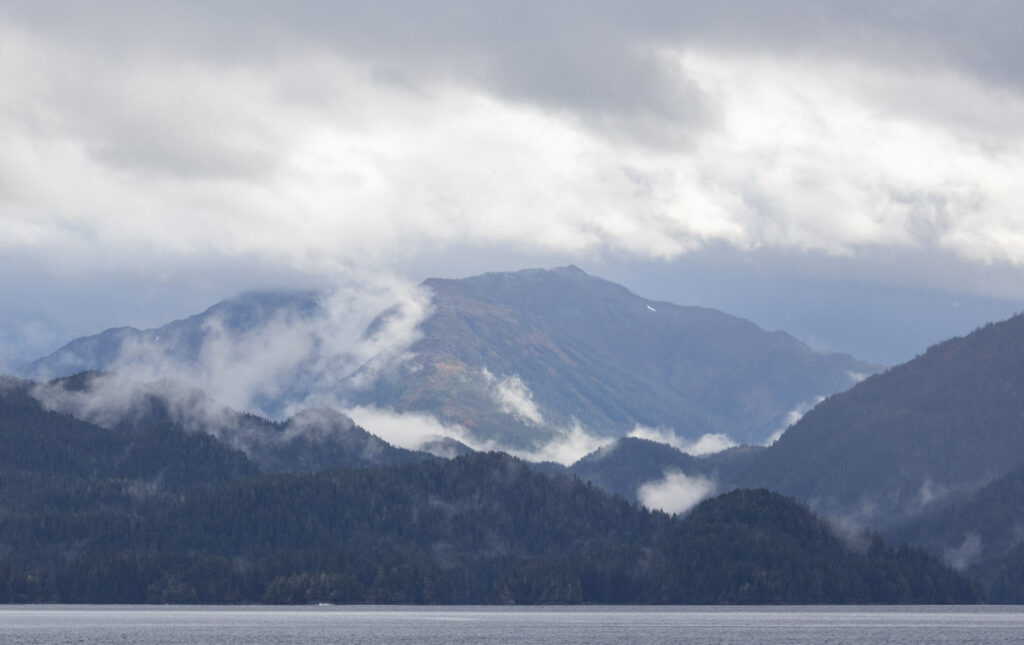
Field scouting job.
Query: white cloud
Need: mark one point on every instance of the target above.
(798, 413)
(704, 445)
(514, 397)
(408, 430)
(567, 447)
(413, 430)
(296, 359)
(675, 492)
(311, 159)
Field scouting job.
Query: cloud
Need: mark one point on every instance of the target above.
(514, 397)
(930, 492)
(675, 492)
(799, 411)
(567, 447)
(316, 154)
(408, 430)
(414, 430)
(280, 360)
(966, 554)
(705, 445)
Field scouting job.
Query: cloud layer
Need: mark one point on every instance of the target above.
(321, 137)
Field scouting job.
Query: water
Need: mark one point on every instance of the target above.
(83, 625)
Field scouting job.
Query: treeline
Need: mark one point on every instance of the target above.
(157, 515)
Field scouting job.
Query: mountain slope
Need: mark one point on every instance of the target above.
(946, 422)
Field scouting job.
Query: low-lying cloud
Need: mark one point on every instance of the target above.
(415, 430)
(792, 417)
(704, 445)
(408, 430)
(676, 492)
(297, 357)
(967, 553)
(514, 397)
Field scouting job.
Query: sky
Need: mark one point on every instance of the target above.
(848, 172)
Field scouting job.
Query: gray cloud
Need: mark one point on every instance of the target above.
(145, 138)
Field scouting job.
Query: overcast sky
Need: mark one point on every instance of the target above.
(851, 172)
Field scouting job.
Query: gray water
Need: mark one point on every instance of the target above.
(55, 624)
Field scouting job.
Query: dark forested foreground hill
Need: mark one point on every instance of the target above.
(483, 528)
(902, 442)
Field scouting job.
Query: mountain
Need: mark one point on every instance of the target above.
(514, 358)
(904, 441)
(183, 340)
(514, 355)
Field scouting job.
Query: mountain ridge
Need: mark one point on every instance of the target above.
(516, 359)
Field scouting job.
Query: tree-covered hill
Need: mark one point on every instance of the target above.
(483, 528)
(41, 446)
(311, 440)
(901, 442)
(980, 533)
(755, 546)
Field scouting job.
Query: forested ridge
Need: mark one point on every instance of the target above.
(155, 514)
(946, 422)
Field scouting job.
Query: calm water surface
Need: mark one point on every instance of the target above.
(442, 625)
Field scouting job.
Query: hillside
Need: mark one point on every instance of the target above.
(980, 533)
(42, 448)
(943, 424)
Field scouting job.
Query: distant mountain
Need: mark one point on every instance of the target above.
(182, 339)
(514, 354)
(902, 442)
(519, 359)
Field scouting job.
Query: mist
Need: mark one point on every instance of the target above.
(704, 445)
(676, 492)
